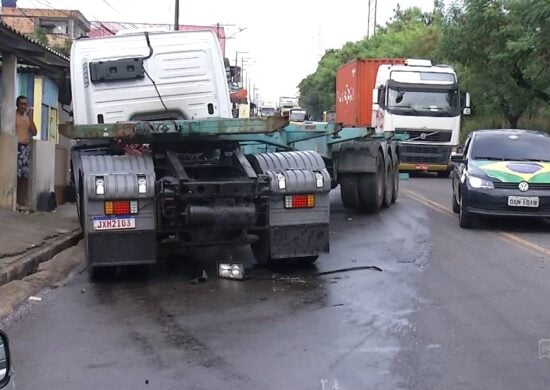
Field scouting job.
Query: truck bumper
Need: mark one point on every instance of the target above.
(424, 158)
(411, 167)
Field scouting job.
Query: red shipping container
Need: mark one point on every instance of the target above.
(354, 85)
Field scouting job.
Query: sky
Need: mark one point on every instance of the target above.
(282, 41)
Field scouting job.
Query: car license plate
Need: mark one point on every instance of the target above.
(523, 201)
(120, 223)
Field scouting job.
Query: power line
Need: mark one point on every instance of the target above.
(113, 8)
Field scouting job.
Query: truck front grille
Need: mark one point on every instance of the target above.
(426, 135)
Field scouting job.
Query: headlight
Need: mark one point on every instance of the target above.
(231, 271)
(477, 182)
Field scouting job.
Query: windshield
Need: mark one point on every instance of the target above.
(298, 116)
(430, 103)
(268, 111)
(511, 147)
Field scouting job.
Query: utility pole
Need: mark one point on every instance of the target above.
(177, 16)
(375, 12)
(368, 21)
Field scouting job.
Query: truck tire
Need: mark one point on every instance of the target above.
(388, 187)
(349, 191)
(371, 187)
(395, 183)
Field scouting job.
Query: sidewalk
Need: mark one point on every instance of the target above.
(26, 240)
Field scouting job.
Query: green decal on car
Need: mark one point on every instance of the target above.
(516, 171)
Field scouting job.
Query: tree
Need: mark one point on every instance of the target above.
(410, 33)
(502, 56)
(40, 35)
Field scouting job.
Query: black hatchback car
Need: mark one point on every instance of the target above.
(502, 173)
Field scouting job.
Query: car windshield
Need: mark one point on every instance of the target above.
(432, 103)
(511, 147)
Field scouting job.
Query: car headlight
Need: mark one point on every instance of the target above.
(478, 183)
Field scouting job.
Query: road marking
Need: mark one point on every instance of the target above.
(506, 237)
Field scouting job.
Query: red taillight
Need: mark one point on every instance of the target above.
(299, 201)
(121, 207)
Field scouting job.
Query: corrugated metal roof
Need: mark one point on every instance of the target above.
(48, 49)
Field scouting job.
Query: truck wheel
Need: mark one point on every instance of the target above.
(371, 187)
(388, 187)
(395, 183)
(349, 191)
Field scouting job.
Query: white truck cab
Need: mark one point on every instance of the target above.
(149, 76)
(421, 104)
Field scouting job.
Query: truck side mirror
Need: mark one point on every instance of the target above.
(375, 96)
(466, 109)
(457, 158)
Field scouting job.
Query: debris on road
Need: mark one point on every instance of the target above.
(35, 299)
(201, 279)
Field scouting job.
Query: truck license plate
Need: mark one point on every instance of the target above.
(107, 223)
(523, 201)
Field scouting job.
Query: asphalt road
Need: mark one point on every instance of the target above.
(452, 309)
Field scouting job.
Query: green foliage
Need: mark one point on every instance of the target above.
(40, 35)
(495, 51)
(499, 48)
(410, 33)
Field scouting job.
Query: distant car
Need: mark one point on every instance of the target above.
(502, 173)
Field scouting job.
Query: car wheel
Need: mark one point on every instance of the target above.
(465, 219)
(456, 206)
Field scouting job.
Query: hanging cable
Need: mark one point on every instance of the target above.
(147, 73)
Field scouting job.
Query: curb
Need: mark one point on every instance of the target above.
(16, 292)
(27, 264)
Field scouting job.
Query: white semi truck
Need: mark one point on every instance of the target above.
(422, 105)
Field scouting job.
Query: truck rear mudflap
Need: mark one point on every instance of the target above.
(298, 211)
(116, 199)
(122, 248)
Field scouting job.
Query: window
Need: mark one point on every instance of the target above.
(57, 27)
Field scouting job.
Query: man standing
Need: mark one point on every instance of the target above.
(25, 129)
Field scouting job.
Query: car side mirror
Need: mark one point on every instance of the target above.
(457, 157)
(4, 360)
